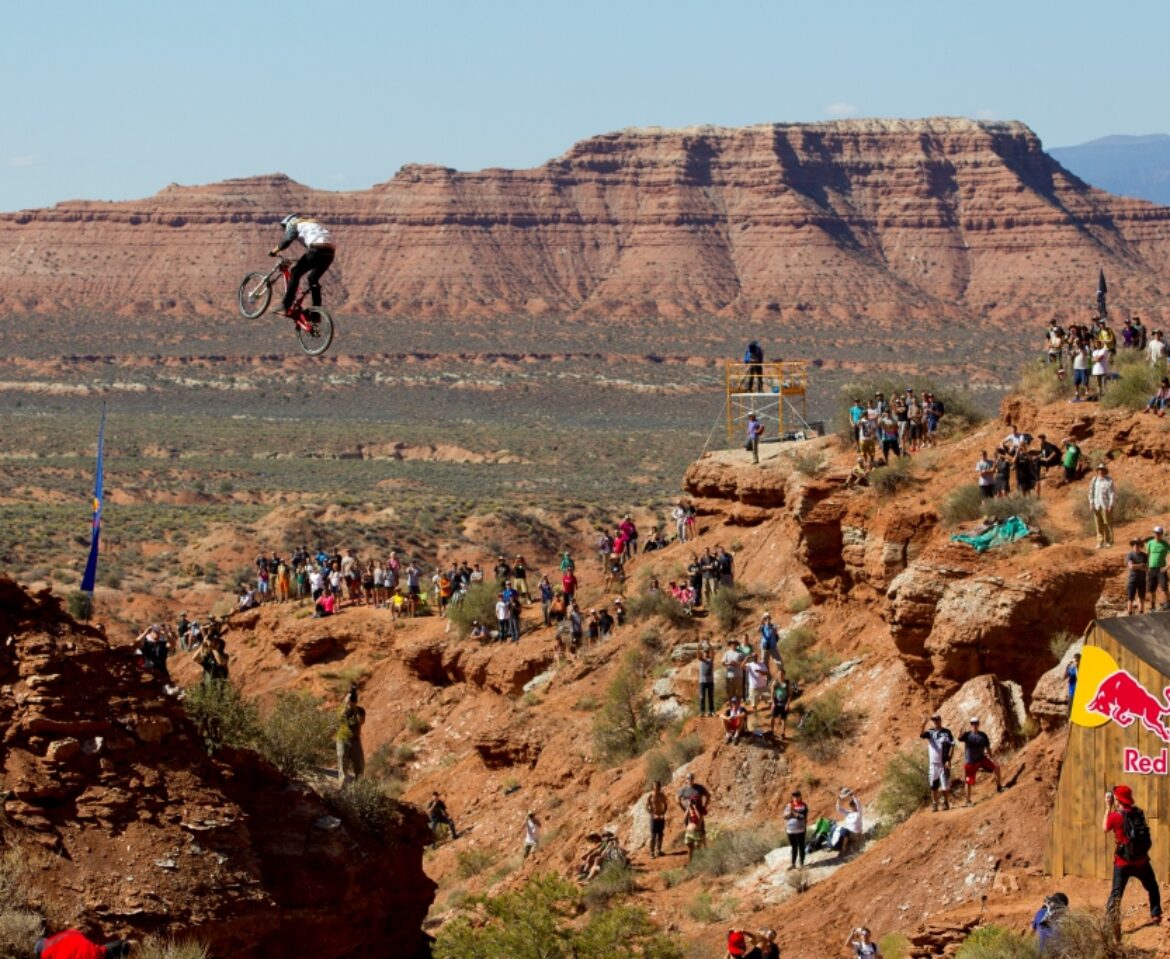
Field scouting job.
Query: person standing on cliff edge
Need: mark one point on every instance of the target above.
(317, 258)
(753, 358)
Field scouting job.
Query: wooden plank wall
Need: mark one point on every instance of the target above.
(1093, 765)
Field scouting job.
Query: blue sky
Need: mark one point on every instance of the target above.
(115, 100)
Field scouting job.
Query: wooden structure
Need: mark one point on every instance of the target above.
(778, 397)
(1125, 672)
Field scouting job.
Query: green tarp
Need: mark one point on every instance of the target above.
(1007, 531)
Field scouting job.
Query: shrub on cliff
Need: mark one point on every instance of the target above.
(966, 504)
(479, 603)
(79, 605)
(626, 725)
(733, 850)
(905, 785)
(19, 927)
(223, 715)
(825, 726)
(887, 480)
(539, 921)
(995, 942)
(803, 664)
(659, 604)
(729, 607)
(1136, 382)
(297, 735)
(366, 808)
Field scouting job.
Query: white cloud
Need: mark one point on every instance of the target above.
(25, 160)
(840, 109)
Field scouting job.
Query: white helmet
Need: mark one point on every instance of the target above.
(290, 219)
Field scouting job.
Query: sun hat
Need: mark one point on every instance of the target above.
(1123, 794)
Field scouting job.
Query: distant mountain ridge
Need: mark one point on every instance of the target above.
(812, 224)
(1136, 166)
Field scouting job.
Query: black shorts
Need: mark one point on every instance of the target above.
(413, 590)
(657, 826)
(779, 710)
(987, 490)
(1156, 579)
(1135, 585)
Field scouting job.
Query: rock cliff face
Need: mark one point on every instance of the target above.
(860, 220)
(140, 831)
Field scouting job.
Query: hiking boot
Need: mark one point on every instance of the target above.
(946, 806)
(934, 807)
(999, 789)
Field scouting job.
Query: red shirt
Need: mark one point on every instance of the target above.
(736, 943)
(1113, 824)
(71, 944)
(568, 584)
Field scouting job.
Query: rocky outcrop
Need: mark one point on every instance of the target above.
(142, 832)
(914, 220)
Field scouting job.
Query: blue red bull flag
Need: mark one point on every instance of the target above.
(1105, 693)
(87, 581)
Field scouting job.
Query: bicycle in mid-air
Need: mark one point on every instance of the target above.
(314, 325)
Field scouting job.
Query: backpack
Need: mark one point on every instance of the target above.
(1137, 835)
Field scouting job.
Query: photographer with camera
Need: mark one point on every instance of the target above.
(1131, 857)
(862, 944)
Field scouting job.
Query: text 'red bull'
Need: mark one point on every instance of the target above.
(1124, 699)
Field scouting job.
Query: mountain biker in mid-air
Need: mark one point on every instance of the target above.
(315, 261)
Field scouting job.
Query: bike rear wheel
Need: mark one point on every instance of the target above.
(316, 339)
(255, 295)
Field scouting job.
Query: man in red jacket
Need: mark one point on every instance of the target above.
(1131, 858)
(71, 944)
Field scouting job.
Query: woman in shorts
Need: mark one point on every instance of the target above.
(1135, 584)
(695, 835)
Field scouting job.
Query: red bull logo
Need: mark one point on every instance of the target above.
(1122, 698)
(1106, 693)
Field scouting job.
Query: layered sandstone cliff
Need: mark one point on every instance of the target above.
(130, 828)
(857, 220)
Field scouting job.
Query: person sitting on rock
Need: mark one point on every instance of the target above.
(852, 827)
(72, 944)
(479, 632)
(734, 720)
(326, 605)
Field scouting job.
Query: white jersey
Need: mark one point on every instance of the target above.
(311, 233)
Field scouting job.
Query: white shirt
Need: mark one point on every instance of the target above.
(1100, 362)
(1157, 350)
(531, 832)
(1101, 492)
(311, 233)
(757, 675)
(1081, 359)
(982, 467)
(501, 610)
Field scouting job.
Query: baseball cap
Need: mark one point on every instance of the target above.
(936, 715)
(974, 720)
(1158, 529)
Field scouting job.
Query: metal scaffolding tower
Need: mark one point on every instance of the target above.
(775, 392)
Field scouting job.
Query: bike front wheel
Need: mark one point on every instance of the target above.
(255, 295)
(316, 339)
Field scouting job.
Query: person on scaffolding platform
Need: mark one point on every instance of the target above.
(753, 358)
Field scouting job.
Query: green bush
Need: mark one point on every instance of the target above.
(1137, 382)
(966, 504)
(685, 748)
(1039, 382)
(471, 862)
(659, 604)
(367, 808)
(905, 785)
(79, 605)
(417, 725)
(733, 850)
(894, 945)
(1090, 935)
(808, 464)
(887, 480)
(658, 767)
(539, 921)
(223, 715)
(479, 603)
(995, 942)
(803, 664)
(626, 725)
(825, 725)
(297, 735)
(702, 909)
(729, 607)
(157, 947)
(615, 879)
